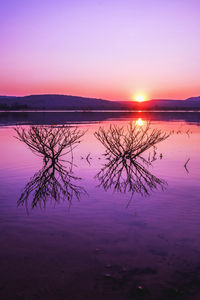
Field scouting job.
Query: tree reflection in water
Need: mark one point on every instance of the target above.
(127, 168)
(55, 181)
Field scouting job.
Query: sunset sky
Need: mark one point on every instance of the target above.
(108, 49)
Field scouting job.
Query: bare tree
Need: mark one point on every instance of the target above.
(50, 142)
(126, 169)
(55, 181)
(129, 142)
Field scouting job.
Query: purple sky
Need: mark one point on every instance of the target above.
(108, 49)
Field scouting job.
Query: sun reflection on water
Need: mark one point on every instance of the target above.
(139, 122)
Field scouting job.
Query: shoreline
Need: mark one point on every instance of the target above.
(97, 111)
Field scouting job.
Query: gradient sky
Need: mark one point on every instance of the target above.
(108, 49)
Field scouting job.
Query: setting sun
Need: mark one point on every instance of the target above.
(140, 98)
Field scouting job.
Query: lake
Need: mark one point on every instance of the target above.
(100, 222)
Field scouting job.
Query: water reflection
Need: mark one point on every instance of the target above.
(150, 251)
(139, 122)
(126, 169)
(55, 181)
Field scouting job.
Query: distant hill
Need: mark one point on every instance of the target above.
(193, 99)
(57, 102)
(159, 104)
(7, 97)
(66, 102)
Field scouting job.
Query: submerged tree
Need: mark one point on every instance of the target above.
(50, 142)
(126, 169)
(55, 181)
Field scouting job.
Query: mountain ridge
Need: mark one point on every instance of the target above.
(70, 102)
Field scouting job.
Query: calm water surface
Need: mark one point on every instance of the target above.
(104, 244)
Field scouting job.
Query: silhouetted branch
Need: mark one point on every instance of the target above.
(131, 141)
(54, 181)
(50, 141)
(185, 165)
(126, 169)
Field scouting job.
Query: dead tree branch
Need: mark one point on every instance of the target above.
(126, 169)
(55, 181)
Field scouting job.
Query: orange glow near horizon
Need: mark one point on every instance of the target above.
(20, 88)
(68, 50)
